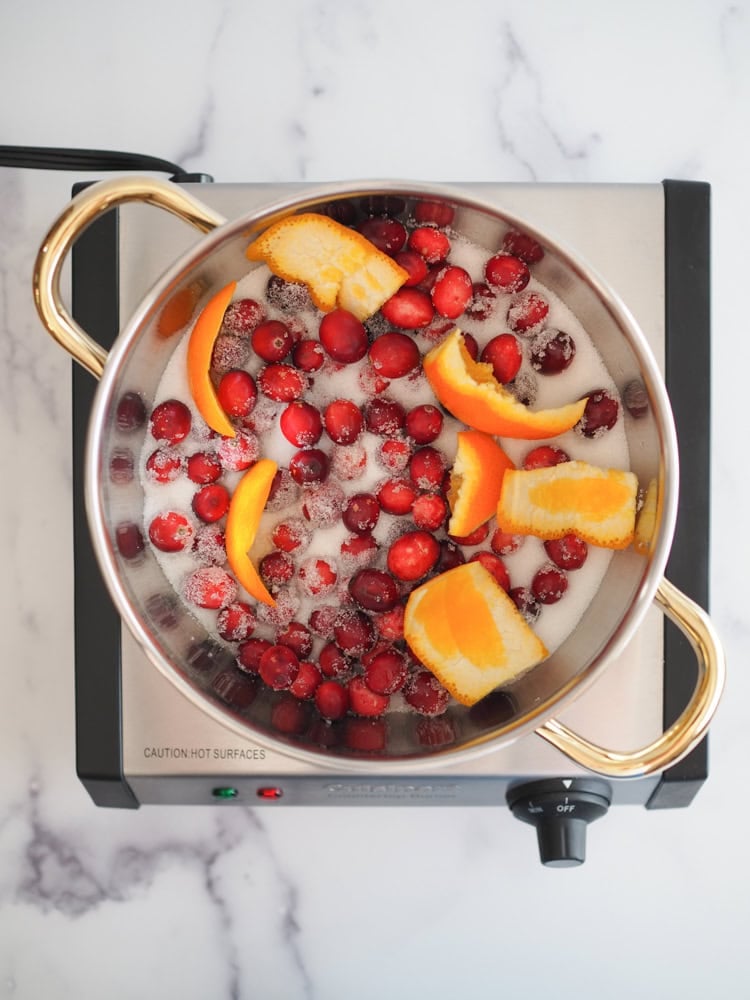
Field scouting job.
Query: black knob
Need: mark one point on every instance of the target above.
(560, 809)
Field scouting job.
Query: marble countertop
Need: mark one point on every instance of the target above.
(326, 904)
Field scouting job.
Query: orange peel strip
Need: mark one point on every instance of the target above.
(469, 633)
(245, 510)
(476, 480)
(339, 266)
(470, 391)
(596, 504)
(199, 353)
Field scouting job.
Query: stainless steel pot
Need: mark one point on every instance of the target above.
(201, 668)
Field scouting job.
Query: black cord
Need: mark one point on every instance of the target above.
(57, 158)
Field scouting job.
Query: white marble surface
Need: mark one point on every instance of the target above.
(198, 903)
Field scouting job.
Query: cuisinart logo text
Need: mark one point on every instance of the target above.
(386, 791)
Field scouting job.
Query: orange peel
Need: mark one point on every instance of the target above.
(470, 391)
(467, 631)
(475, 481)
(594, 503)
(199, 353)
(340, 267)
(243, 519)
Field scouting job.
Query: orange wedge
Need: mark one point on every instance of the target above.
(200, 350)
(469, 633)
(596, 504)
(245, 510)
(476, 478)
(470, 391)
(339, 266)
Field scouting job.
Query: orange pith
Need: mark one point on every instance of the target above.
(469, 633)
(243, 519)
(476, 478)
(340, 266)
(596, 504)
(200, 351)
(470, 391)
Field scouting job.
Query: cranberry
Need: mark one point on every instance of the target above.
(322, 620)
(284, 491)
(494, 565)
(476, 537)
(394, 455)
(544, 456)
(229, 353)
(527, 313)
(374, 590)
(349, 462)
(276, 569)
(450, 556)
(236, 622)
(526, 603)
(298, 637)
(506, 272)
(291, 536)
(361, 513)
(482, 303)
(170, 531)
(471, 345)
(278, 667)
(309, 466)
(504, 354)
(390, 624)
(332, 661)
(370, 382)
(130, 413)
(289, 296)
(171, 421)
(129, 540)
(250, 653)
(568, 552)
(552, 352)
(429, 511)
(549, 584)
(439, 213)
(239, 452)
(523, 246)
(203, 467)
(301, 424)
(388, 235)
(210, 587)
(343, 337)
(332, 700)
(386, 672)
(415, 266)
(394, 355)
(164, 465)
(343, 421)
(397, 496)
(503, 543)
(431, 244)
(308, 355)
(426, 694)
(317, 576)
(384, 417)
(211, 502)
(409, 308)
(600, 414)
(209, 545)
(282, 383)
(426, 468)
(122, 466)
(361, 549)
(354, 632)
(323, 504)
(237, 393)
(452, 291)
(272, 340)
(364, 701)
(242, 316)
(304, 684)
(413, 555)
(424, 423)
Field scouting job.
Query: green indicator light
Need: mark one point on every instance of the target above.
(225, 793)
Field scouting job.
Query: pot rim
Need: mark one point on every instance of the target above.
(655, 561)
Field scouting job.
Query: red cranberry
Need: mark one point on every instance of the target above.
(549, 584)
(164, 465)
(450, 556)
(298, 637)
(249, 654)
(332, 700)
(322, 620)
(394, 454)
(308, 355)
(384, 417)
(527, 313)
(504, 354)
(600, 414)
(203, 467)
(424, 423)
(332, 661)
(229, 353)
(483, 301)
(237, 393)
(130, 413)
(354, 632)
(170, 531)
(508, 273)
(568, 552)
(390, 624)
(415, 266)
(239, 452)
(426, 694)
(360, 549)
(276, 569)
(171, 421)
(526, 603)
(503, 543)
(309, 466)
(289, 296)
(361, 513)
(409, 308)
(477, 536)
(129, 540)
(426, 468)
(236, 622)
(242, 316)
(317, 576)
(278, 668)
(544, 456)
(394, 355)
(284, 491)
(552, 352)
(397, 496)
(343, 421)
(291, 536)
(211, 503)
(374, 590)
(364, 701)
(343, 337)
(210, 587)
(430, 243)
(387, 235)
(323, 504)
(282, 383)
(523, 246)
(452, 291)
(494, 565)
(209, 545)
(272, 340)
(439, 213)
(348, 462)
(307, 680)
(471, 345)
(301, 424)
(386, 672)
(413, 555)
(429, 511)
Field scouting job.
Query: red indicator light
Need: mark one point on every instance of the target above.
(269, 792)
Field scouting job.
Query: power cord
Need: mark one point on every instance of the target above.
(58, 158)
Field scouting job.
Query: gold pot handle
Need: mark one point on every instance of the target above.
(683, 735)
(83, 209)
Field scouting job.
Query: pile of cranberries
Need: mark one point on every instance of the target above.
(335, 638)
